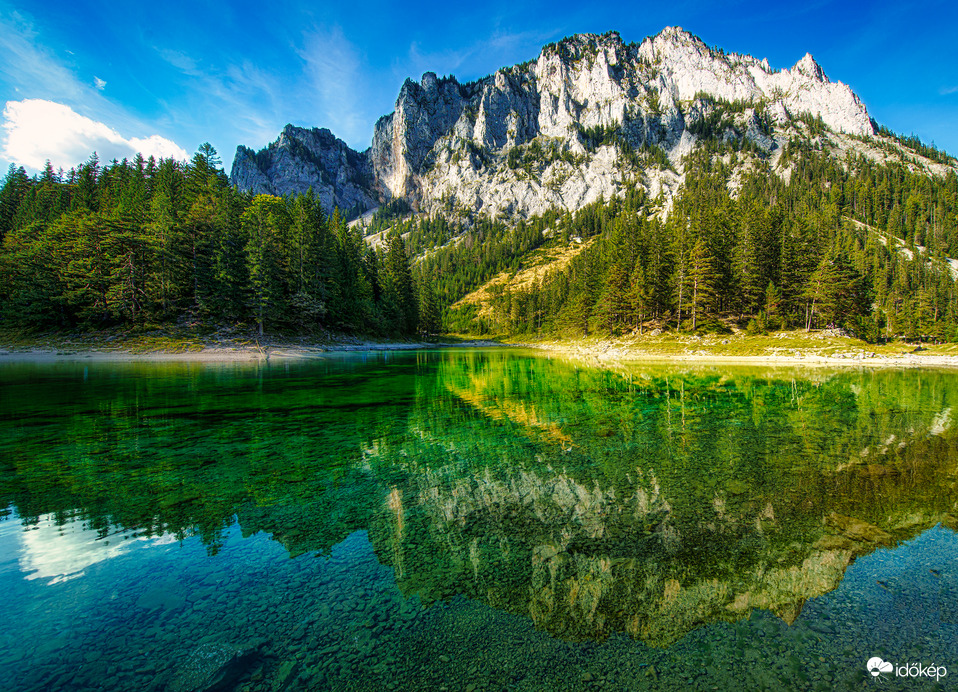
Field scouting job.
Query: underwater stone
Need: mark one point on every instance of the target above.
(285, 676)
(162, 598)
(216, 666)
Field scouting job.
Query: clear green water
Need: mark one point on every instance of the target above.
(474, 520)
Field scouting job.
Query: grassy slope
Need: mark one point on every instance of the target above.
(790, 344)
(533, 267)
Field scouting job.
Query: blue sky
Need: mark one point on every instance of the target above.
(163, 77)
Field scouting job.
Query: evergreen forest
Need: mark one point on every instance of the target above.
(149, 242)
(848, 243)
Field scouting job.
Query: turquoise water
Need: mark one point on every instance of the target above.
(474, 520)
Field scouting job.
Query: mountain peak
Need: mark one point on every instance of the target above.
(674, 32)
(302, 158)
(676, 35)
(580, 123)
(808, 67)
(578, 46)
(429, 81)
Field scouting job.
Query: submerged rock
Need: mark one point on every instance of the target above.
(858, 530)
(215, 667)
(161, 598)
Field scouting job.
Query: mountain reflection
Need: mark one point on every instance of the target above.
(649, 501)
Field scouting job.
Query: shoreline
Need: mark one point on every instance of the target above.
(232, 353)
(705, 351)
(601, 352)
(616, 356)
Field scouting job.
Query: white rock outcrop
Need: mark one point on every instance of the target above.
(577, 124)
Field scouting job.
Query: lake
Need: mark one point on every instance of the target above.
(476, 520)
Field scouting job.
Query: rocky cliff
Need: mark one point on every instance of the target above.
(302, 159)
(589, 116)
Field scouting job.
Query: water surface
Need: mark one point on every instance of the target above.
(487, 519)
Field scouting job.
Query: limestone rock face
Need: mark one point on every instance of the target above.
(402, 140)
(589, 116)
(301, 159)
(687, 67)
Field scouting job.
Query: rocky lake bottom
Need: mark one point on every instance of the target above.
(474, 521)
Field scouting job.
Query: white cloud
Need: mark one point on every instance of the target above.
(54, 95)
(61, 552)
(944, 91)
(159, 147)
(37, 130)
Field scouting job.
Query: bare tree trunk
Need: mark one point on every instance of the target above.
(695, 302)
(681, 286)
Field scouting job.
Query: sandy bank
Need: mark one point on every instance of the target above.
(221, 353)
(790, 349)
(614, 352)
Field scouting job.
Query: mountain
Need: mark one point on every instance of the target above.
(603, 188)
(302, 159)
(590, 117)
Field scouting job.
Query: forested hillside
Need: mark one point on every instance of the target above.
(851, 244)
(605, 187)
(846, 243)
(146, 242)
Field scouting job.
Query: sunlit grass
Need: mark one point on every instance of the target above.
(794, 344)
(196, 337)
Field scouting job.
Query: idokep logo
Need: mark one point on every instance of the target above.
(878, 668)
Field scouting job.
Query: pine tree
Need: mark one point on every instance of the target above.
(229, 274)
(834, 292)
(398, 288)
(166, 276)
(773, 305)
(429, 313)
(307, 227)
(91, 269)
(87, 193)
(641, 294)
(699, 282)
(613, 304)
(755, 257)
(15, 186)
(264, 223)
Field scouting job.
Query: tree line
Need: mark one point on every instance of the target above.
(847, 243)
(840, 243)
(145, 242)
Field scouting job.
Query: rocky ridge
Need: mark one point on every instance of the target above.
(301, 159)
(590, 116)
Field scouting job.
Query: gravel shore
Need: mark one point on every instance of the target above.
(229, 352)
(618, 351)
(789, 350)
